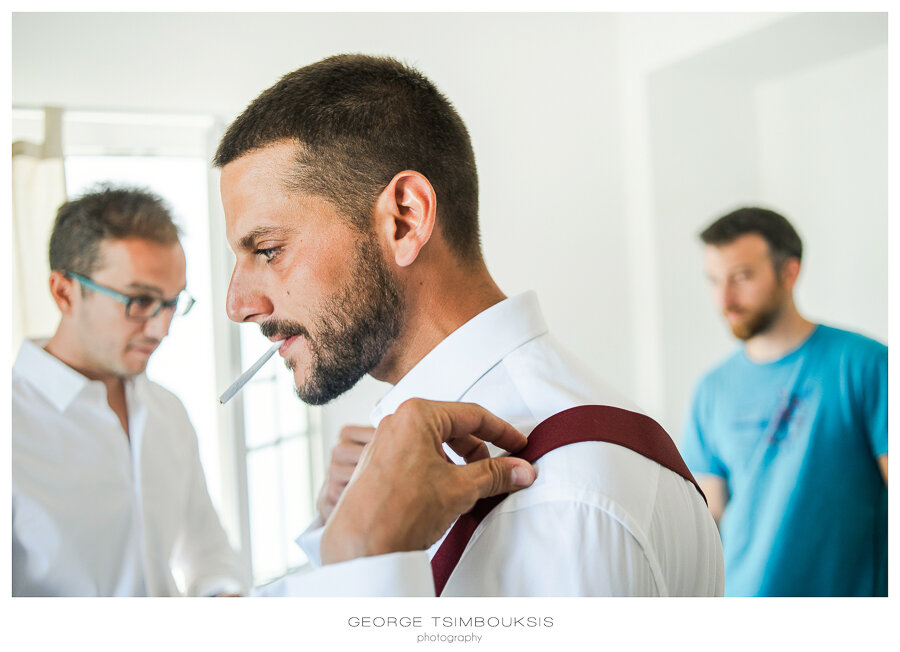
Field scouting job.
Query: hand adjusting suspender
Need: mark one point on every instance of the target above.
(604, 423)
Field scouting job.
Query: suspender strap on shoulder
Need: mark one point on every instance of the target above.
(601, 423)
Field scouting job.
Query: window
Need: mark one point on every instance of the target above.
(281, 445)
(262, 452)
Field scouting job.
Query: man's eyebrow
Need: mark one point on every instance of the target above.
(144, 287)
(150, 289)
(248, 241)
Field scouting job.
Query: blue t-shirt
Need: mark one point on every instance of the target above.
(796, 441)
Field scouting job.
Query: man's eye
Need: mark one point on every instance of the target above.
(269, 253)
(144, 301)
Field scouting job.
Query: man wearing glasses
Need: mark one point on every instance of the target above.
(108, 494)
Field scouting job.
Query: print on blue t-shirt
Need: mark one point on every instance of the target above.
(797, 441)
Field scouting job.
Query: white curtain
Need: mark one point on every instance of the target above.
(38, 190)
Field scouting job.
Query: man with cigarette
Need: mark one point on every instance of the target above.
(351, 203)
(788, 436)
(108, 495)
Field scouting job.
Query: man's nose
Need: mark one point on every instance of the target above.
(158, 327)
(720, 294)
(730, 296)
(245, 300)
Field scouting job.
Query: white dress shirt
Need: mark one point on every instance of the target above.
(94, 514)
(600, 519)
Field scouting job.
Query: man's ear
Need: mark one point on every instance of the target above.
(790, 271)
(63, 289)
(404, 215)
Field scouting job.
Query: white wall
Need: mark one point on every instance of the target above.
(823, 161)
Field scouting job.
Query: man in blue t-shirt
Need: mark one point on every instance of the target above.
(788, 436)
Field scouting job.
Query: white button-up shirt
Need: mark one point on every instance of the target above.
(94, 514)
(599, 520)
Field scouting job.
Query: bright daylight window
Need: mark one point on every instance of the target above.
(264, 489)
(281, 437)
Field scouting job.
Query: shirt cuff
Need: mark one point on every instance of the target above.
(397, 575)
(310, 541)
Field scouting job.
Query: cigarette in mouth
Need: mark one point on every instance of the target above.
(245, 377)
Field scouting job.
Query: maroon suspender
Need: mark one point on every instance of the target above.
(605, 423)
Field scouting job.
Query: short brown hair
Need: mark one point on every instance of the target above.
(774, 228)
(106, 213)
(359, 120)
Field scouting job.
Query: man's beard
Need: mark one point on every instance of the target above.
(759, 321)
(353, 330)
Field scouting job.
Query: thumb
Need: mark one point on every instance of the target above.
(497, 475)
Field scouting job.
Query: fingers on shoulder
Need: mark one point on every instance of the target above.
(491, 477)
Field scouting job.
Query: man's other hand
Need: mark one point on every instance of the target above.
(344, 458)
(405, 493)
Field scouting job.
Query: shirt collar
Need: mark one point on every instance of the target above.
(53, 378)
(448, 371)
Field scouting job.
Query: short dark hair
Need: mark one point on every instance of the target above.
(106, 213)
(358, 120)
(783, 240)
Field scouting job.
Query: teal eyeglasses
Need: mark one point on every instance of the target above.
(141, 307)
